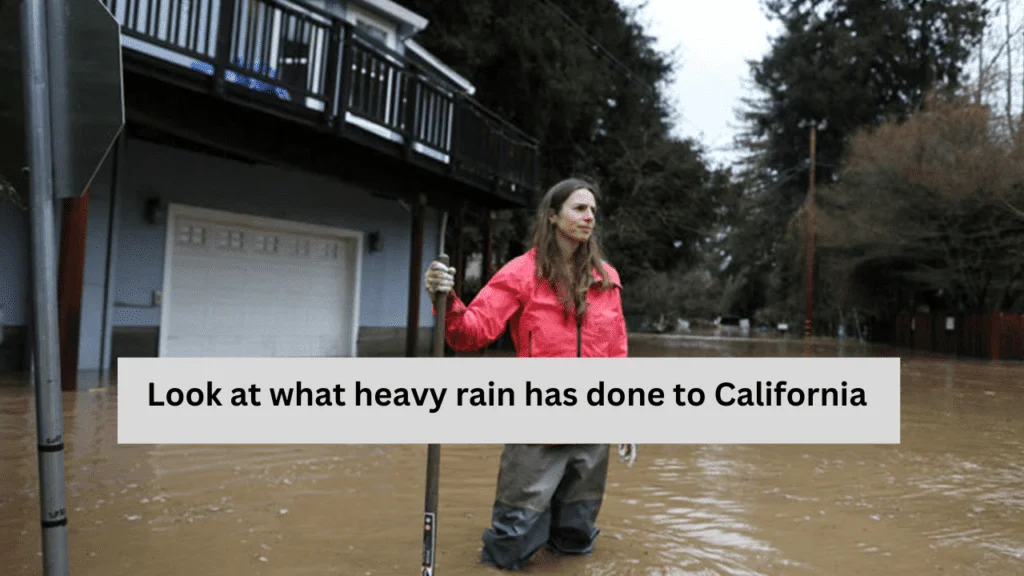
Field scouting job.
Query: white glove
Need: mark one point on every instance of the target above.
(439, 278)
(627, 454)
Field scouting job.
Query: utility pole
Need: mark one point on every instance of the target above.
(809, 264)
(810, 239)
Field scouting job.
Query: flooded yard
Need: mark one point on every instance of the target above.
(948, 500)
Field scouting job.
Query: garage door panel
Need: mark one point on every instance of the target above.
(243, 290)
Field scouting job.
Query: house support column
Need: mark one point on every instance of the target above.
(110, 274)
(459, 258)
(71, 268)
(487, 266)
(486, 270)
(412, 326)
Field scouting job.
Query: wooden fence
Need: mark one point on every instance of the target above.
(992, 335)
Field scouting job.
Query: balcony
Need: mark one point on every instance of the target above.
(305, 64)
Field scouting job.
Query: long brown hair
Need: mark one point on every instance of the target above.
(588, 256)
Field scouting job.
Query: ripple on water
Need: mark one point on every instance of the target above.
(949, 499)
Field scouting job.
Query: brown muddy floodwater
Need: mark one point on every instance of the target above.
(948, 500)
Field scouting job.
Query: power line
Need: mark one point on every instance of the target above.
(594, 44)
(602, 51)
(598, 47)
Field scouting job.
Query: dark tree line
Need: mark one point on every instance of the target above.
(583, 77)
(692, 240)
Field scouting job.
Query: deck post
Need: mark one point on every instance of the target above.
(412, 326)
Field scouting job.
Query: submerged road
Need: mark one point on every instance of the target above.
(948, 500)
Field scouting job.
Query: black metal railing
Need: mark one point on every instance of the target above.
(303, 58)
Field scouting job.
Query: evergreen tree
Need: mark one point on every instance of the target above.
(851, 64)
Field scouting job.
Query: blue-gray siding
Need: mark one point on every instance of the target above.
(173, 175)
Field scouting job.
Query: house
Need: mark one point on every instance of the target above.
(277, 190)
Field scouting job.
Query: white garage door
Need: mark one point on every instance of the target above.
(241, 286)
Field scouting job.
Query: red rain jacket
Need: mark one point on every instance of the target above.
(539, 326)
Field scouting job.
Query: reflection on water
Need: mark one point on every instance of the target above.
(949, 500)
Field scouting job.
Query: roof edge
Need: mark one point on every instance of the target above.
(397, 11)
(434, 61)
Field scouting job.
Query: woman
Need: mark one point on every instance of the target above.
(560, 299)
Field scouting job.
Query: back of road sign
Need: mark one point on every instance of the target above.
(87, 98)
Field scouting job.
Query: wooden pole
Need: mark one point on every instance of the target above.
(488, 260)
(415, 270)
(460, 256)
(488, 263)
(75, 223)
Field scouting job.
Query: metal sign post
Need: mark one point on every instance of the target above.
(49, 411)
(61, 110)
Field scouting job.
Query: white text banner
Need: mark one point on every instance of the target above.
(508, 400)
